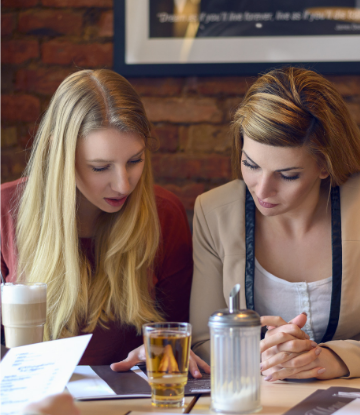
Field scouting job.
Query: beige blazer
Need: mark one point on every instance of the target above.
(219, 264)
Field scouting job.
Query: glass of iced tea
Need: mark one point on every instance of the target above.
(167, 347)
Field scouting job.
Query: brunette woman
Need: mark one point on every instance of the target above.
(287, 228)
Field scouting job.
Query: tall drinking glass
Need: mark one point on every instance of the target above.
(167, 347)
(23, 312)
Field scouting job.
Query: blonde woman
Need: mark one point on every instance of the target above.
(287, 228)
(86, 219)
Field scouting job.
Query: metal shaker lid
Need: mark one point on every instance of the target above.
(233, 316)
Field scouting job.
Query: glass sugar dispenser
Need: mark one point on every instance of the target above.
(235, 358)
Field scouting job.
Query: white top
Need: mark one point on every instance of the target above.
(276, 297)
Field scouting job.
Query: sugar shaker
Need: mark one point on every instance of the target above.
(235, 358)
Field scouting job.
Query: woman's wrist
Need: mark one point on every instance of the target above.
(339, 367)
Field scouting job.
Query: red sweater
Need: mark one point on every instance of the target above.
(173, 273)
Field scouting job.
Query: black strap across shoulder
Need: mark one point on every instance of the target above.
(250, 249)
(336, 265)
(336, 258)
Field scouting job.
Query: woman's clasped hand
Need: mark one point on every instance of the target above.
(288, 353)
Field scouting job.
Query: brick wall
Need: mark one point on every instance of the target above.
(43, 41)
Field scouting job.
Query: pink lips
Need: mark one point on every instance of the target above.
(115, 202)
(265, 204)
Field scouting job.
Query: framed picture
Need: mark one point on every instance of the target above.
(235, 37)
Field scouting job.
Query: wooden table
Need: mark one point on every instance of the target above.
(122, 406)
(276, 398)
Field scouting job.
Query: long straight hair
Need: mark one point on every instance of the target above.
(120, 288)
(292, 107)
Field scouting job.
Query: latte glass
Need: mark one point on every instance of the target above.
(23, 312)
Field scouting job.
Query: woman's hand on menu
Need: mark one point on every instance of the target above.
(138, 355)
(286, 358)
(133, 358)
(195, 362)
(53, 405)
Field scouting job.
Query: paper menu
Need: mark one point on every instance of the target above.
(352, 408)
(86, 384)
(100, 382)
(29, 373)
(334, 400)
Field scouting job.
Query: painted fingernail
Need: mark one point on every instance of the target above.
(321, 371)
(268, 378)
(318, 351)
(304, 313)
(313, 344)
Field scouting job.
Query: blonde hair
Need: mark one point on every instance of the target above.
(295, 107)
(47, 237)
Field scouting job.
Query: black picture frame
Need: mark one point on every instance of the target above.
(207, 69)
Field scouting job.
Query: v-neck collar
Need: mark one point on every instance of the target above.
(336, 258)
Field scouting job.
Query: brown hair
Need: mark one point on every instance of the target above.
(292, 107)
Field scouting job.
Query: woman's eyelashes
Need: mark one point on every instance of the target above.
(251, 166)
(130, 163)
(136, 161)
(290, 177)
(255, 167)
(99, 169)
